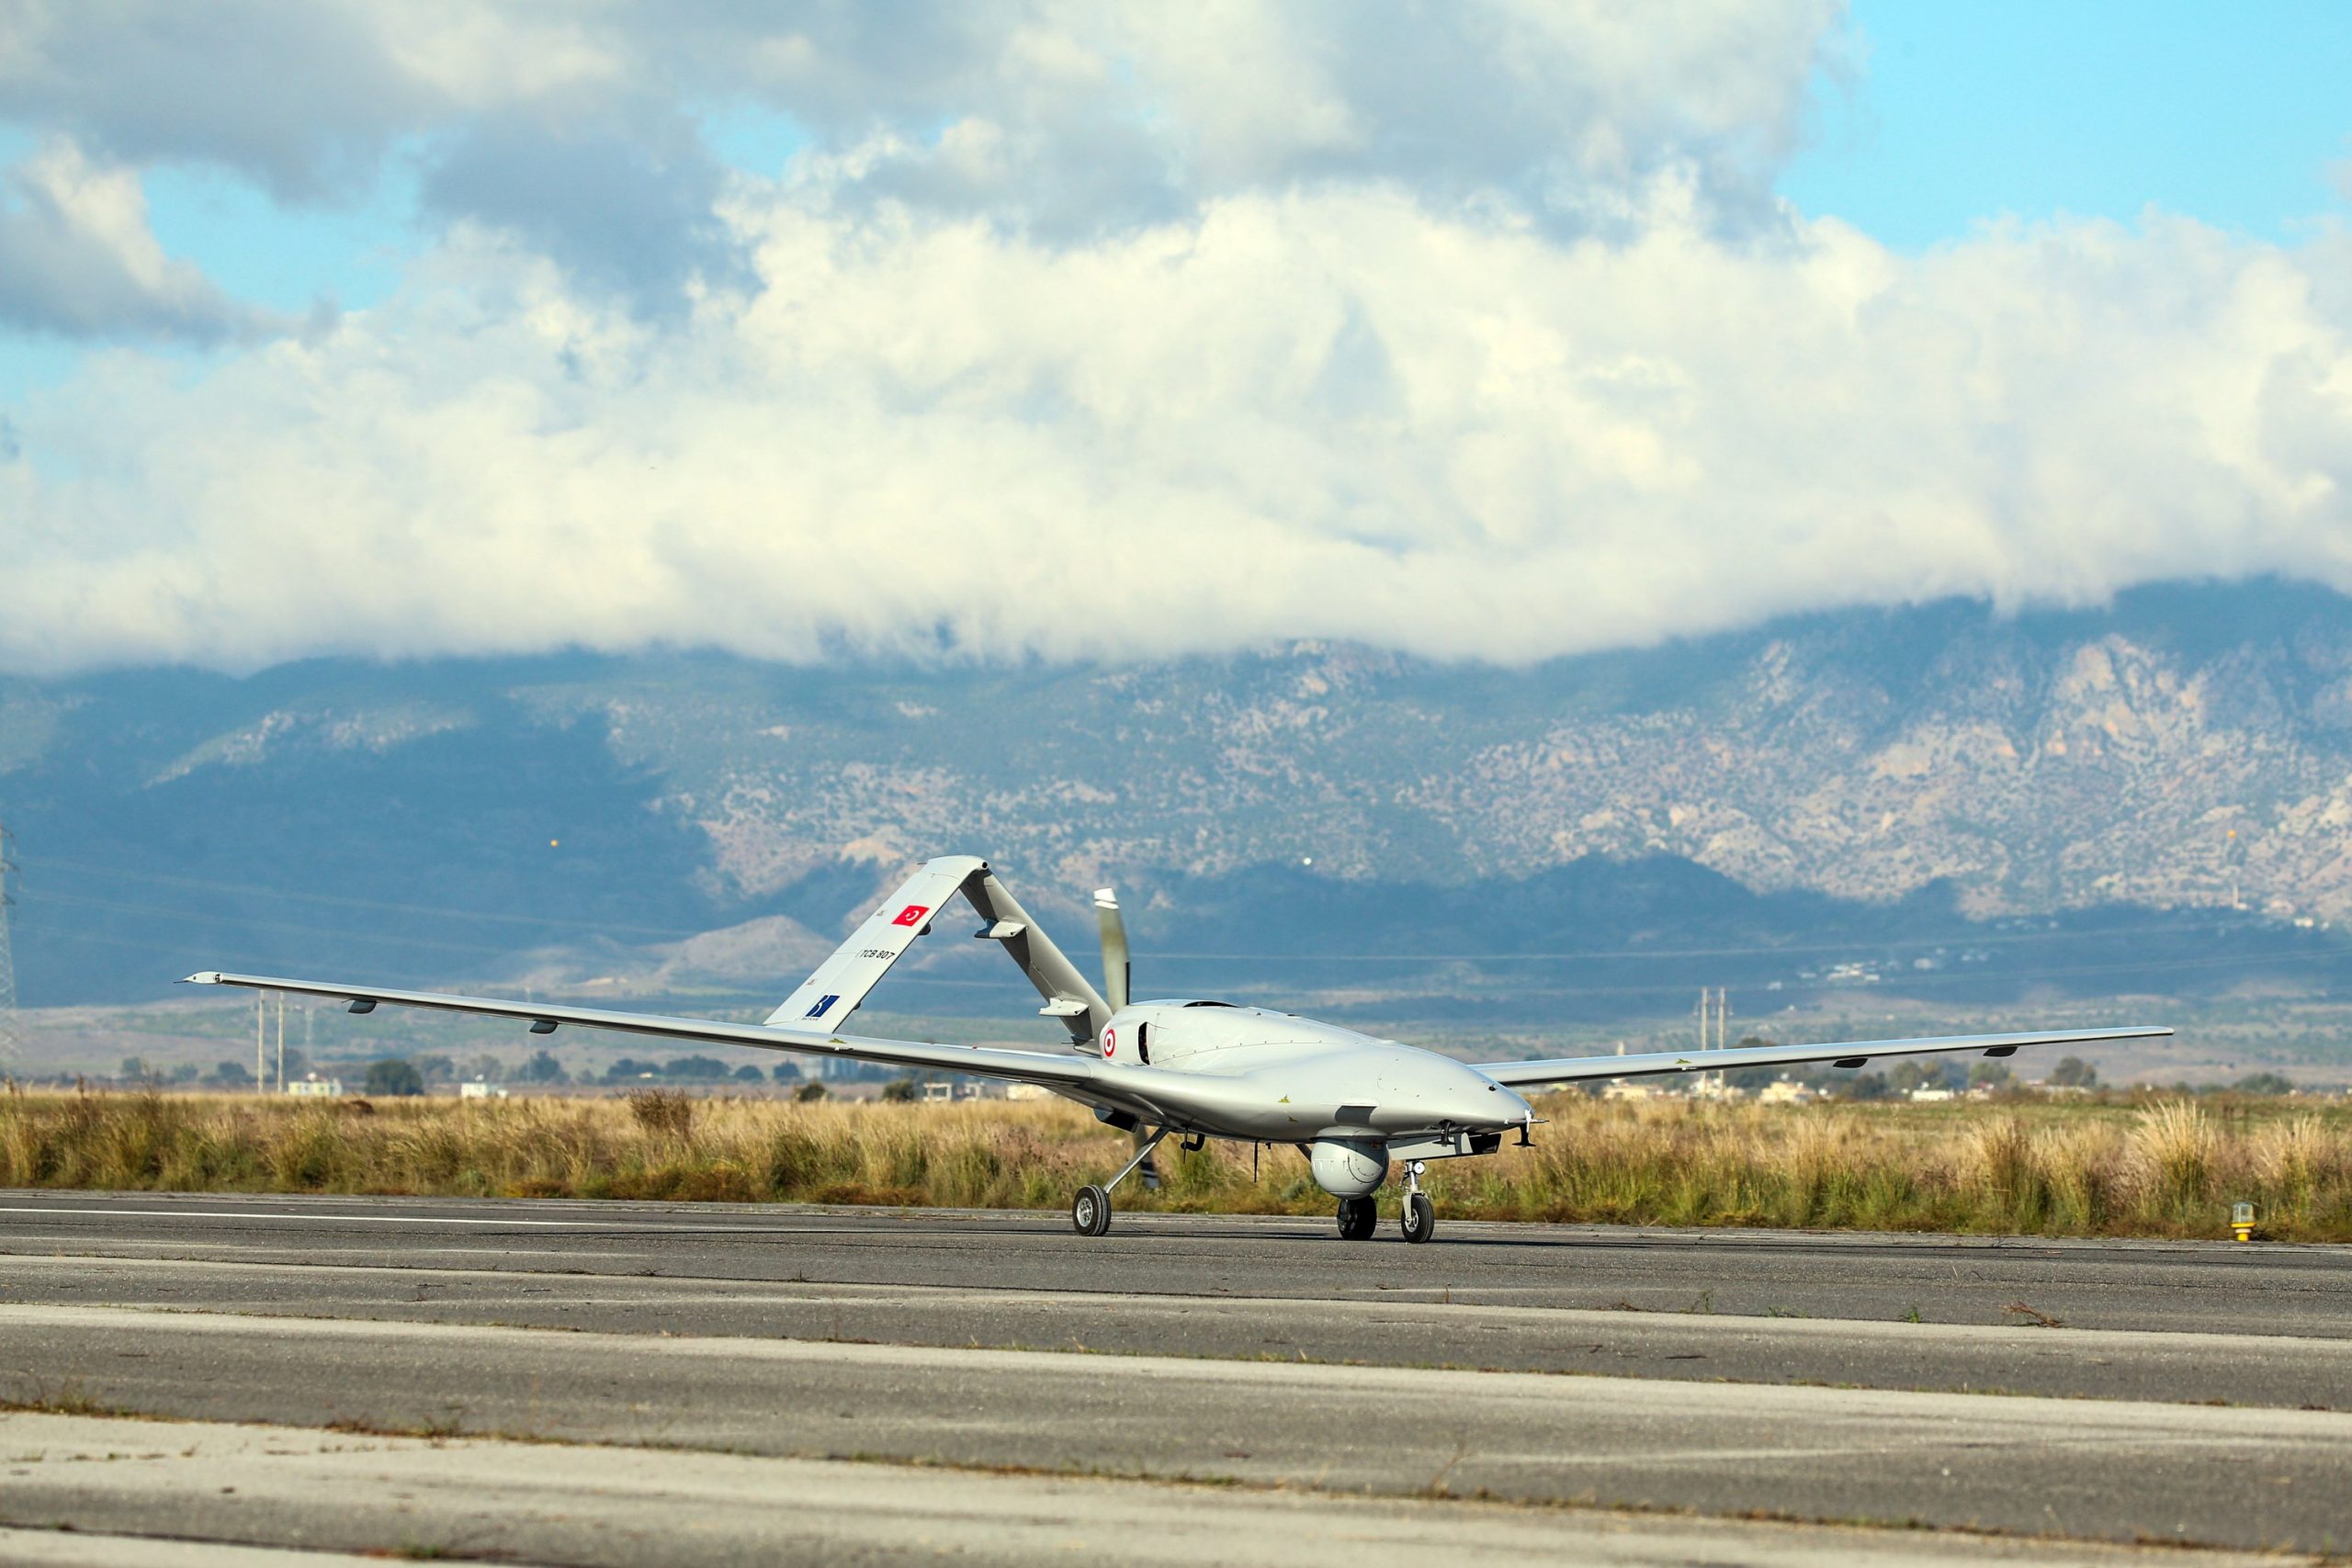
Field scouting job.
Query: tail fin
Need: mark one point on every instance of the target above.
(1068, 995)
(827, 997)
(839, 984)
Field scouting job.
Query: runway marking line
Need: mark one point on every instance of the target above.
(316, 1219)
(1891, 1419)
(700, 1289)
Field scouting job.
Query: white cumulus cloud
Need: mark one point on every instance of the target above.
(1338, 413)
(1083, 331)
(77, 257)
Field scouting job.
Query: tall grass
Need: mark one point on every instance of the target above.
(2164, 1168)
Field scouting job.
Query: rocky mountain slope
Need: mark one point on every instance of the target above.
(2188, 747)
(2192, 747)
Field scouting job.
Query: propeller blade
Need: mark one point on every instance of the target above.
(1114, 991)
(1115, 947)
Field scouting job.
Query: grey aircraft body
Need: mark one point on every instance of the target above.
(1199, 1069)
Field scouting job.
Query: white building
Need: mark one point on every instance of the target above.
(323, 1088)
(479, 1089)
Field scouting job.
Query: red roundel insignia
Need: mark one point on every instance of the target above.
(1110, 1042)
(911, 915)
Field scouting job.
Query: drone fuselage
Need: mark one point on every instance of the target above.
(1255, 1074)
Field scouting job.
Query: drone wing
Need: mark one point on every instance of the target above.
(1845, 1054)
(1058, 1068)
(810, 1018)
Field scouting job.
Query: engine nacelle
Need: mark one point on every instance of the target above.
(1349, 1167)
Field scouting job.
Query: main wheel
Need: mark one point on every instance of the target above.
(1359, 1217)
(1089, 1211)
(1419, 1221)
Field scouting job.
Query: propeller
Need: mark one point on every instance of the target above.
(1115, 966)
(1115, 974)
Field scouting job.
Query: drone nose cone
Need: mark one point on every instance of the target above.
(1502, 1108)
(1483, 1103)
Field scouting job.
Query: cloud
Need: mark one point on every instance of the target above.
(1064, 115)
(1090, 333)
(1345, 413)
(77, 258)
(628, 206)
(304, 99)
(1075, 117)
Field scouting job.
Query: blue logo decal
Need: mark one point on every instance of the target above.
(823, 1003)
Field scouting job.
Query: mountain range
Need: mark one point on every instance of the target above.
(1887, 790)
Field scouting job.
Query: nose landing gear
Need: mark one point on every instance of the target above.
(1419, 1220)
(1359, 1217)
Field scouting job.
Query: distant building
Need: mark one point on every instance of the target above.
(317, 1087)
(478, 1089)
(1926, 1093)
(1027, 1091)
(1622, 1088)
(962, 1089)
(1785, 1091)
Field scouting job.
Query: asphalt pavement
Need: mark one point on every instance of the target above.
(344, 1499)
(2189, 1394)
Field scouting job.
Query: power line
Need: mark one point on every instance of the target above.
(1842, 944)
(208, 885)
(1758, 949)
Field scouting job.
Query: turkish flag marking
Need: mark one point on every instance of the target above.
(911, 915)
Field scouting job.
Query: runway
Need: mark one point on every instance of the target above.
(2082, 1392)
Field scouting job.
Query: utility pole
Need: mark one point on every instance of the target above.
(9, 1038)
(1714, 1017)
(1715, 1020)
(261, 1043)
(1723, 1030)
(281, 1041)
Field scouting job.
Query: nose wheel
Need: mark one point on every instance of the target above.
(1418, 1219)
(1359, 1217)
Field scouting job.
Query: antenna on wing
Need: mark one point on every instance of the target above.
(1115, 966)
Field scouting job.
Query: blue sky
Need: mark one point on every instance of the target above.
(1966, 113)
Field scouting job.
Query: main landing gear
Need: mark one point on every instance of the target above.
(1359, 1217)
(1089, 1211)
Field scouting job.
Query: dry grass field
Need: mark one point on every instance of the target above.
(2149, 1168)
